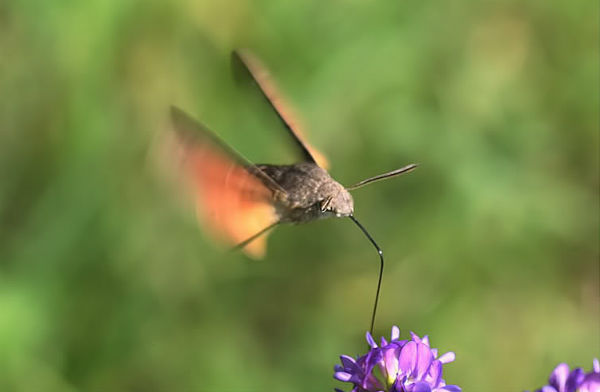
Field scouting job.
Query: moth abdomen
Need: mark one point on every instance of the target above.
(311, 192)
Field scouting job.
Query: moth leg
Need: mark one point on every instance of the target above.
(253, 237)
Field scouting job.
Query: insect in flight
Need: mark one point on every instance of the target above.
(241, 201)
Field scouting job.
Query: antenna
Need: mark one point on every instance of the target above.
(383, 176)
(380, 252)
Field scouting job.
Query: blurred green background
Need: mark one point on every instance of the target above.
(108, 284)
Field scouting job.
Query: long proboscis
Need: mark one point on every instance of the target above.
(380, 252)
(383, 176)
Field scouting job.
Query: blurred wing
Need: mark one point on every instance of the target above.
(233, 197)
(245, 66)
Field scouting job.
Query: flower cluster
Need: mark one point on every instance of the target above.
(563, 379)
(396, 366)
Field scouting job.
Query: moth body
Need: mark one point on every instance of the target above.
(311, 193)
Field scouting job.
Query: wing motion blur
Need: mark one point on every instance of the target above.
(247, 68)
(234, 198)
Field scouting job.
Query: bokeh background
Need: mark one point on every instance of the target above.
(108, 284)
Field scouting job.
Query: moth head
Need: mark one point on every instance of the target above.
(339, 204)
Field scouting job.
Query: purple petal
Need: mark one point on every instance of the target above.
(347, 361)
(574, 380)
(390, 360)
(420, 386)
(451, 388)
(425, 340)
(398, 385)
(434, 351)
(396, 333)
(596, 366)
(372, 358)
(559, 375)
(435, 372)
(371, 383)
(447, 357)
(407, 360)
(415, 337)
(591, 383)
(424, 358)
(371, 341)
(547, 388)
(398, 344)
(342, 376)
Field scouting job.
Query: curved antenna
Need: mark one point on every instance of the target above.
(383, 176)
(380, 252)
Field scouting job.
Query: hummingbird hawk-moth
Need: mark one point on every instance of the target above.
(241, 201)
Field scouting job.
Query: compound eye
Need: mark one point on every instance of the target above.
(326, 204)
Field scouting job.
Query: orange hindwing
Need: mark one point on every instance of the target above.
(233, 198)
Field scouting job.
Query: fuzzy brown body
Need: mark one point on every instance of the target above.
(311, 193)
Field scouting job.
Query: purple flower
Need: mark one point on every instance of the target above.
(396, 366)
(563, 379)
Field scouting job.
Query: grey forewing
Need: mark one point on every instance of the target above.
(306, 185)
(245, 69)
